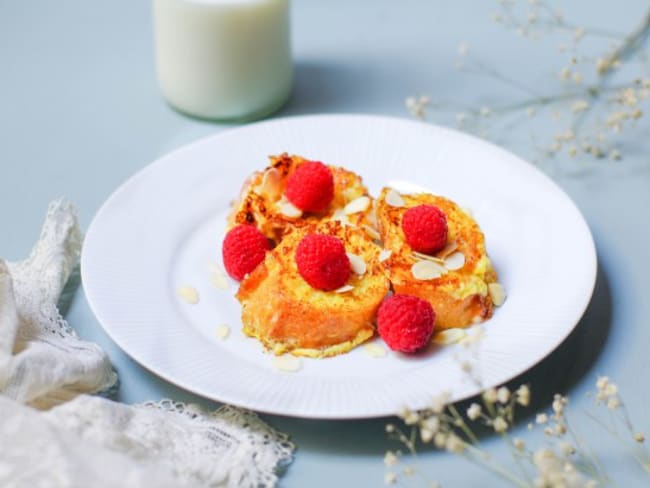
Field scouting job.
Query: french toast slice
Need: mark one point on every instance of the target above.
(287, 315)
(460, 297)
(262, 203)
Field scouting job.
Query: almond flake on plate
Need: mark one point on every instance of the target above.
(384, 254)
(497, 294)
(288, 209)
(287, 363)
(427, 270)
(374, 350)
(218, 279)
(357, 263)
(455, 261)
(344, 288)
(394, 199)
(189, 294)
(357, 205)
(222, 331)
(449, 336)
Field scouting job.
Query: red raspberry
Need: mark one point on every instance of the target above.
(244, 247)
(425, 228)
(310, 187)
(322, 261)
(405, 322)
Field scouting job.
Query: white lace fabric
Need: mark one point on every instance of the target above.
(54, 434)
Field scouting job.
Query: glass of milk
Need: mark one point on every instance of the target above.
(226, 60)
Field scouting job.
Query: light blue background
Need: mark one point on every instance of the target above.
(80, 112)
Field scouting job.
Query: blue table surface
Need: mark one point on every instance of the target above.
(80, 111)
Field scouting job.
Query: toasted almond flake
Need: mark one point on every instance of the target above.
(218, 279)
(394, 199)
(287, 364)
(357, 205)
(340, 216)
(384, 254)
(222, 331)
(455, 261)
(189, 294)
(374, 350)
(271, 182)
(497, 293)
(288, 209)
(426, 270)
(449, 336)
(435, 259)
(372, 232)
(447, 250)
(344, 288)
(357, 263)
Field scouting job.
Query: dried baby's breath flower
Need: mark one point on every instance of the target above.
(613, 403)
(519, 444)
(503, 394)
(541, 418)
(490, 395)
(439, 402)
(566, 448)
(500, 425)
(390, 459)
(474, 411)
(454, 444)
(639, 437)
(523, 395)
(410, 417)
(440, 440)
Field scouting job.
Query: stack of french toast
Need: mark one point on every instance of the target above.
(318, 256)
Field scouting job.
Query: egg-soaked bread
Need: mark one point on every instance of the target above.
(459, 297)
(262, 200)
(287, 315)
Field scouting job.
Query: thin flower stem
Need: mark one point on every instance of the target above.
(480, 457)
(463, 426)
(592, 463)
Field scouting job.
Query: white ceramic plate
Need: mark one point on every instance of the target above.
(163, 228)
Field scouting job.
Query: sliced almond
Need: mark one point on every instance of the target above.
(288, 209)
(427, 257)
(344, 289)
(372, 232)
(222, 331)
(384, 254)
(357, 263)
(357, 205)
(340, 216)
(393, 198)
(497, 294)
(189, 294)
(455, 261)
(427, 270)
(449, 336)
(374, 350)
(218, 279)
(271, 183)
(447, 250)
(287, 364)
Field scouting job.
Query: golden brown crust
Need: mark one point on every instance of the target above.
(262, 195)
(458, 297)
(287, 315)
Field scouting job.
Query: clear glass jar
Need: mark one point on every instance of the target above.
(227, 60)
